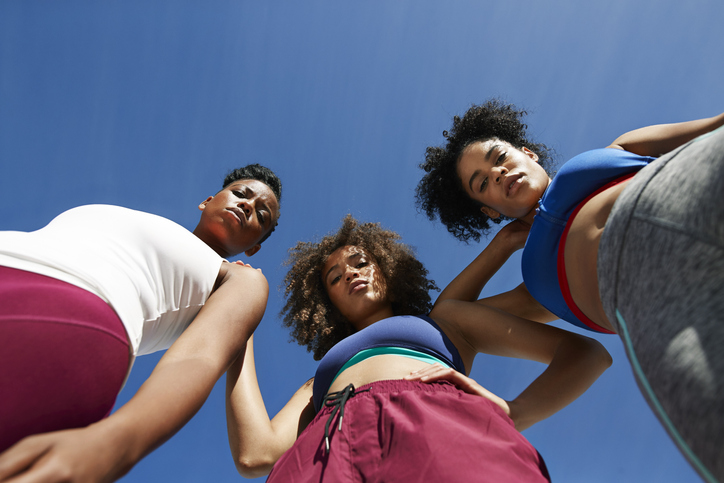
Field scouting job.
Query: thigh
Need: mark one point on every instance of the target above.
(64, 356)
(661, 273)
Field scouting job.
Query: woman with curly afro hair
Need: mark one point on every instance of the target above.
(391, 399)
(627, 239)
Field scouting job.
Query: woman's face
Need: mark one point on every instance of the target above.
(506, 180)
(356, 286)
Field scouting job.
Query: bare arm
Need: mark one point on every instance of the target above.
(662, 138)
(257, 442)
(173, 393)
(471, 281)
(574, 362)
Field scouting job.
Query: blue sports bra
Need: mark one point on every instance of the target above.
(575, 181)
(416, 333)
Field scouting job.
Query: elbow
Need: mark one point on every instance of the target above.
(253, 467)
(597, 354)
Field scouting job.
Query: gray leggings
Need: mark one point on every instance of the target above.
(661, 277)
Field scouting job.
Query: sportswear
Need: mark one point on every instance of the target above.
(661, 281)
(575, 181)
(153, 272)
(418, 333)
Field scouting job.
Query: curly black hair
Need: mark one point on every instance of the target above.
(266, 176)
(314, 321)
(440, 192)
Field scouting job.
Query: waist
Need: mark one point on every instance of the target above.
(381, 363)
(578, 254)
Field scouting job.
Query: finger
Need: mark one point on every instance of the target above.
(435, 371)
(43, 471)
(425, 370)
(20, 457)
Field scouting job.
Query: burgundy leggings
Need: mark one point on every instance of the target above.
(63, 356)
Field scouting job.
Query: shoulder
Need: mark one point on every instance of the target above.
(243, 276)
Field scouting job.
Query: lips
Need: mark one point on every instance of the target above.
(512, 184)
(353, 287)
(239, 214)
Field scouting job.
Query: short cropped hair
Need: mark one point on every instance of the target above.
(266, 176)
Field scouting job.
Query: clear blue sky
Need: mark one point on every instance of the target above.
(147, 104)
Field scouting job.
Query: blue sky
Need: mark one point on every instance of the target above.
(147, 104)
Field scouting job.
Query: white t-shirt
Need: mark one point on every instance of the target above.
(153, 272)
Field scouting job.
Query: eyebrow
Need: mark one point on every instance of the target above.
(264, 206)
(354, 255)
(490, 151)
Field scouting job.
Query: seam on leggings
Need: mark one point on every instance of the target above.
(658, 408)
(671, 226)
(56, 320)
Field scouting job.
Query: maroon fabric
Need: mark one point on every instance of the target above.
(64, 356)
(403, 431)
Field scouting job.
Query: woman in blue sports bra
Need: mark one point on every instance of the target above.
(628, 239)
(391, 400)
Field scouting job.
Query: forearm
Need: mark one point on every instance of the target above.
(576, 365)
(470, 282)
(662, 138)
(247, 420)
(165, 402)
(520, 302)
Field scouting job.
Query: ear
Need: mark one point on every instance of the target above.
(251, 251)
(490, 212)
(205, 202)
(530, 154)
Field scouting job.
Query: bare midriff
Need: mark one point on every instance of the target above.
(581, 253)
(378, 368)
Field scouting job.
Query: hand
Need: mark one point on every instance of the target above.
(438, 372)
(239, 262)
(75, 455)
(514, 234)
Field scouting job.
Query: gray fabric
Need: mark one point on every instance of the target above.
(661, 278)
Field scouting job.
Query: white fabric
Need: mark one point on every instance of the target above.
(153, 272)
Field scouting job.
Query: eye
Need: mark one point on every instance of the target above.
(501, 158)
(483, 185)
(362, 264)
(335, 279)
(260, 215)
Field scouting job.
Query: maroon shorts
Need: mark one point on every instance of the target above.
(404, 431)
(63, 359)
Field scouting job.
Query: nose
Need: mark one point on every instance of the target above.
(497, 173)
(352, 273)
(247, 206)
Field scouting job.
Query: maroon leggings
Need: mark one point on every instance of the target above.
(63, 356)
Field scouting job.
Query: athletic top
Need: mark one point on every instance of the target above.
(153, 272)
(575, 182)
(418, 333)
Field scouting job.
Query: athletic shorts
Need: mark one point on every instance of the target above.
(409, 431)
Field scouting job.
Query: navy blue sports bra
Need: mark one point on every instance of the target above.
(417, 333)
(575, 181)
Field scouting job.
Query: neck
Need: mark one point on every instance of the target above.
(381, 314)
(209, 240)
(528, 218)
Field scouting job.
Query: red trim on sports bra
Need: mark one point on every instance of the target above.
(561, 261)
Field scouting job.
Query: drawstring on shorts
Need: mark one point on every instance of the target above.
(338, 400)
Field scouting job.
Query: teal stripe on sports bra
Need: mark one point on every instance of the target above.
(397, 351)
